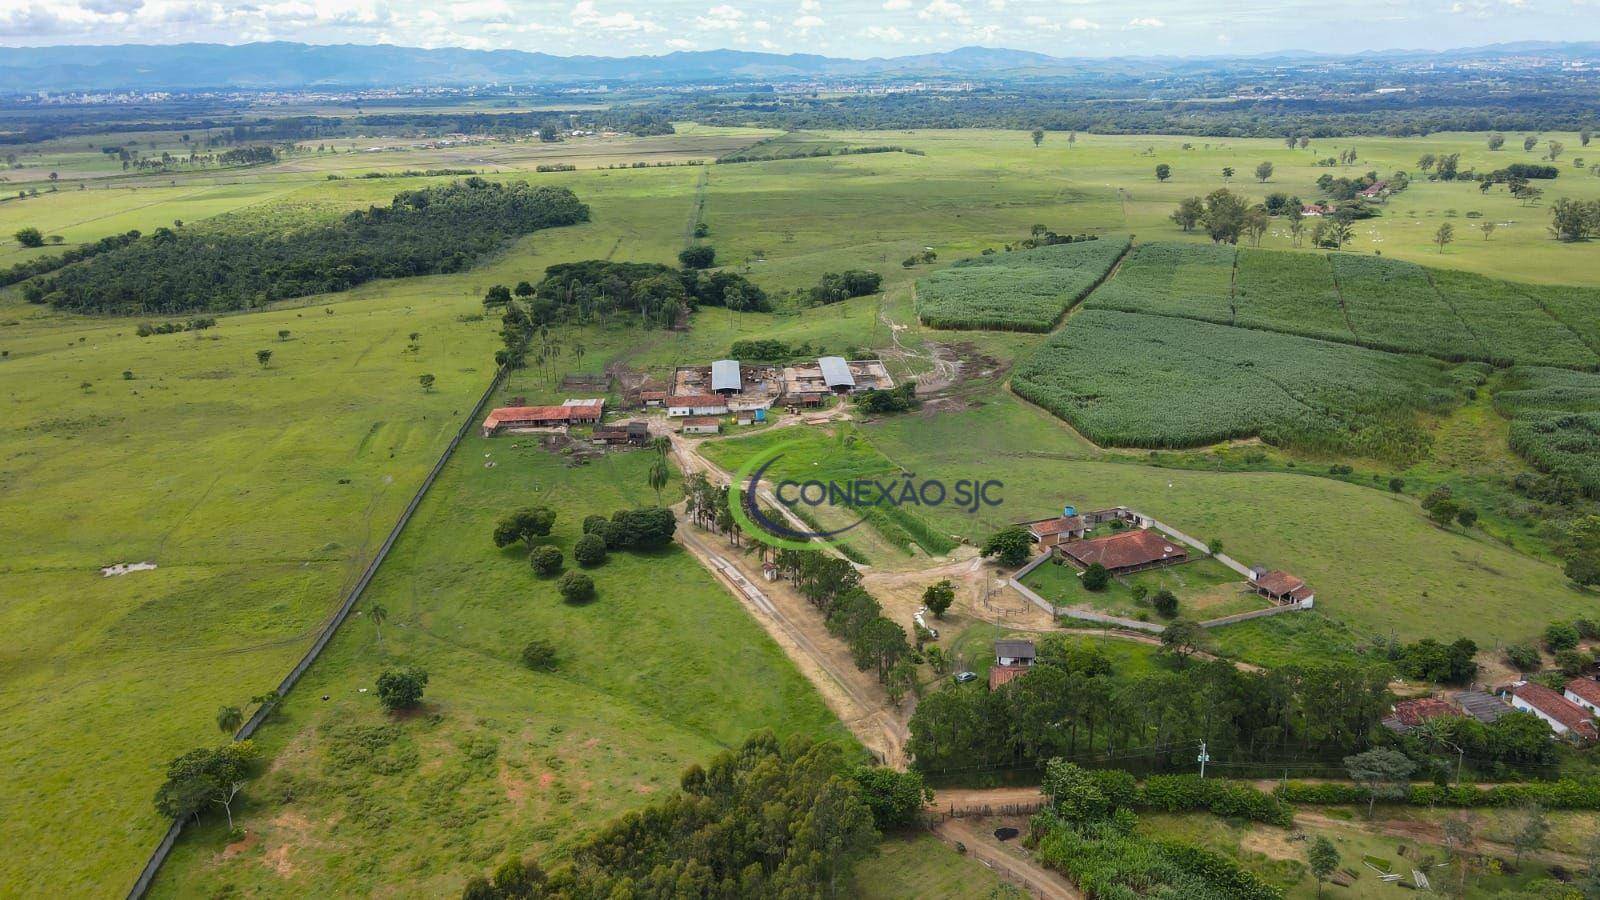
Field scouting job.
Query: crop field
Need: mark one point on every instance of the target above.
(1190, 280)
(1154, 381)
(1555, 422)
(1025, 290)
(1292, 292)
(1577, 307)
(1393, 305)
(1512, 326)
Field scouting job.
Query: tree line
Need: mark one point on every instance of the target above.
(428, 231)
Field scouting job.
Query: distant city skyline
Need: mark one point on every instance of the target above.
(850, 28)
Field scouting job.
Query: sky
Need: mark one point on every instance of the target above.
(853, 28)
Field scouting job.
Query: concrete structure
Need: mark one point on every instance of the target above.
(1059, 530)
(701, 425)
(697, 405)
(740, 387)
(1486, 708)
(808, 385)
(1564, 717)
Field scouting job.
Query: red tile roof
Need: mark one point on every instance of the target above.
(1587, 688)
(1415, 712)
(1125, 550)
(652, 395)
(702, 420)
(1556, 707)
(1047, 527)
(697, 400)
(507, 415)
(1281, 584)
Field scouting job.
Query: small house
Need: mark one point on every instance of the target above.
(1125, 552)
(1053, 531)
(1585, 692)
(1316, 209)
(1565, 718)
(1281, 587)
(653, 399)
(697, 405)
(701, 425)
(1012, 660)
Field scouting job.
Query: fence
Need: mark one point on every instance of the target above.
(153, 865)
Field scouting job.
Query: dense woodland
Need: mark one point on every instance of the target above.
(423, 232)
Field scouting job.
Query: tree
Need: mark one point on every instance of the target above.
(1426, 161)
(1496, 141)
(545, 560)
(1444, 235)
(698, 257)
(1163, 171)
(1524, 658)
(1038, 136)
(1010, 546)
(30, 237)
(499, 295)
(648, 528)
(1224, 216)
(1072, 139)
(1528, 143)
(895, 798)
(658, 476)
(378, 614)
(401, 688)
(1183, 638)
(1323, 858)
(263, 357)
(204, 776)
(1559, 636)
(1227, 173)
(1582, 560)
(576, 587)
(1554, 149)
(426, 381)
(1444, 511)
(523, 290)
(283, 334)
(1535, 828)
(1263, 171)
(1467, 517)
(589, 550)
(1487, 227)
(1096, 577)
(1165, 603)
(1075, 793)
(1574, 220)
(1584, 137)
(1297, 223)
(938, 597)
(1189, 213)
(1384, 774)
(229, 718)
(1256, 223)
(526, 525)
(540, 655)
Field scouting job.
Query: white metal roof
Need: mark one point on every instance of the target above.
(836, 372)
(725, 375)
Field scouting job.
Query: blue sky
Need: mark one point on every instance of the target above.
(854, 28)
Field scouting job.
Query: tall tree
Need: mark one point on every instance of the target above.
(1385, 774)
(1038, 136)
(1263, 171)
(1444, 234)
(377, 614)
(1323, 859)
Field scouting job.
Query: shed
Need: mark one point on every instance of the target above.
(701, 425)
(1014, 653)
(725, 377)
(836, 374)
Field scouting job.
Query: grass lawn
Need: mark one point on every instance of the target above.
(662, 670)
(1205, 588)
(919, 866)
(973, 649)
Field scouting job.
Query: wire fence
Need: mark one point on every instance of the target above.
(159, 856)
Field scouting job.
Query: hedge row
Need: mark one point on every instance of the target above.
(1219, 871)
(1567, 793)
(1230, 799)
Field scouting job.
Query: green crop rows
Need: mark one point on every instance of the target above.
(1189, 280)
(1393, 305)
(1026, 290)
(1555, 422)
(1512, 327)
(1290, 292)
(1156, 381)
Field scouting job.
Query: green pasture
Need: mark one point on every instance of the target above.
(1205, 588)
(919, 866)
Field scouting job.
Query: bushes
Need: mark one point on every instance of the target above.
(401, 688)
(545, 560)
(1229, 799)
(836, 286)
(1096, 577)
(647, 528)
(589, 550)
(540, 655)
(698, 257)
(576, 587)
(424, 232)
(1027, 290)
(1567, 793)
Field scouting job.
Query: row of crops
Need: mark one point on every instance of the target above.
(1555, 422)
(1024, 290)
(1370, 301)
(1125, 379)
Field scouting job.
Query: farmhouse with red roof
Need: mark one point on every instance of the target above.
(1564, 717)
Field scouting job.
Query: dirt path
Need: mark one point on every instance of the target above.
(1429, 833)
(1009, 862)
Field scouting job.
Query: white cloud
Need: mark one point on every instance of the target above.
(888, 34)
(111, 7)
(721, 18)
(680, 44)
(810, 6)
(806, 23)
(1079, 23)
(1146, 22)
(996, 5)
(944, 11)
(586, 15)
(896, 5)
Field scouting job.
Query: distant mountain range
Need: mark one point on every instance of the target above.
(286, 65)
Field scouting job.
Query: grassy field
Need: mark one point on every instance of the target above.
(501, 760)
(922, 867)
(1205, 588)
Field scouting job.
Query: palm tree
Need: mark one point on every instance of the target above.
(378, 615)
(229, 718)
(659, 474)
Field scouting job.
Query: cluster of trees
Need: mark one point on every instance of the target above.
(1223, 215)
(647, 528)
(427, 231)
(1074, 701)
(900, 398)
(248, 156)
(836, 286)
(1442, 507)
(772, 350)
(919, 259)
(1575, 220)
(206, 777)
(197, 323)
(833, 586)
(597, 288)
(1517, 742)
(767, 819)
(1430, 660)
(1043, 236)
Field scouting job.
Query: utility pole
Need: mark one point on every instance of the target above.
(1203, 758)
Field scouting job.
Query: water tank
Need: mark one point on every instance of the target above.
(1068, 512)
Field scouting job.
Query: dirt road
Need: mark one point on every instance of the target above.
(1007, 859)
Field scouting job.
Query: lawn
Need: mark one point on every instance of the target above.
(921, 867)
(1205, 588)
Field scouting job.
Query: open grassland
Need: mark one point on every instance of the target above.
(1124, 379)
(226, 474)
(664, 668)
(919, 866)
(1025, 290)
(1377, 564)
(1205, 588)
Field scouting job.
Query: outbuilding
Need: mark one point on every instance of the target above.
(701, 425)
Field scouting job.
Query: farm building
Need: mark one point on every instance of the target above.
(1564, 717)
(1280, 587)
(701, 425)
(1125, 552)
(697, 405)
(519, 418)
(1409, 714)
(1585, 692)
(1486, 708)
(1375, 190)
(739, 386)
(634, 433)
(1057, 530)
(808, 385)
(654, 399)
(1316, 209)
(1012, 659)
